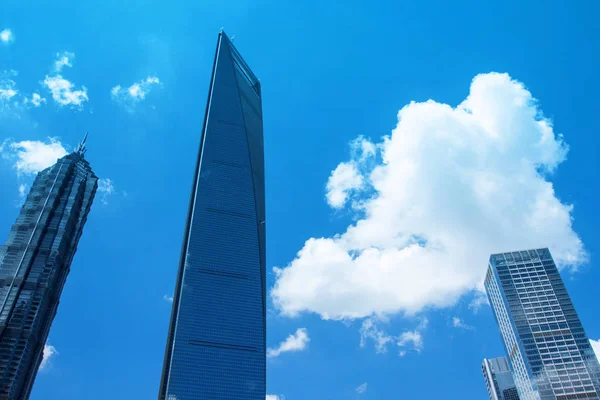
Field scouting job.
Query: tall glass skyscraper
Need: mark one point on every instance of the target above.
(216, 341)
(498, 379)
(34, 264)
(550, 354)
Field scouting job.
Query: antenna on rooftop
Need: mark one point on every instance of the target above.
(81, 149)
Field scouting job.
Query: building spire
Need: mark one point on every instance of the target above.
(81, 149)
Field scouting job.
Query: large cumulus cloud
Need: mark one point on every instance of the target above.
(449, 186)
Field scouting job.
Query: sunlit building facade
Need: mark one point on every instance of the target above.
(547, 347)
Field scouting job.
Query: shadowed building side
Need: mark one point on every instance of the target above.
(217, 337)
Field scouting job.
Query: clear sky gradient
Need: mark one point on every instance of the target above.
(383, 310)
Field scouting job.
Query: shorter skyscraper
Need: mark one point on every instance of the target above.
(498, 379)
(547, 347)
(34, 264)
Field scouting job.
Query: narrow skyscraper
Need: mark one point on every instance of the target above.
(216, 341)
(34, 264)
(498, 379)
(550, 354)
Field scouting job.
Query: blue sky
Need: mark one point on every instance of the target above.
(380, 243)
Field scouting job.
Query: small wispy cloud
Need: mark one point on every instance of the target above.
(49, 353)
(479, 300)
(370, 331)
(64, 91)
(296, 342)
(168, 298)
(64, 59)
(412, 339)
(36, 100)
(106, 189)
(459, 323)
(22, 190)
(6, 36)
(11, 98)
(275, 397)
(362, 388)
(407, 340)
(129, 97)
(7, 87)
(7, 90)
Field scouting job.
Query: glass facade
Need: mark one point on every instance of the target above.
(34, 264)
(498, 379)
(546, 344)
(216, 341)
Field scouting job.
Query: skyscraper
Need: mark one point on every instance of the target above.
(216, 341)
(34, 264)
(498, 379)
(550, 354)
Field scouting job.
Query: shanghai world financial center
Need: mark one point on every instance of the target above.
(216, 340)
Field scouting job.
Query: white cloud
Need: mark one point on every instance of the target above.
(362, 388)
(49, 353)
(168, 298)
(6, 36)
(7, 86)
(370, 331)
(348, 178)
(36, 100)
(479, 300)
(129, 97)
(596, 346)
(363, 149)
(407, 340)
(296, 342)
(32, 156)
(10, 96)
(452, 186)
(7, 91)
(22, 190)
(63, 91)
(105, 188)
(342, 180)
(275, 397)
(459, 323)
(64, 59)
(412, 339)
(105, 185)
